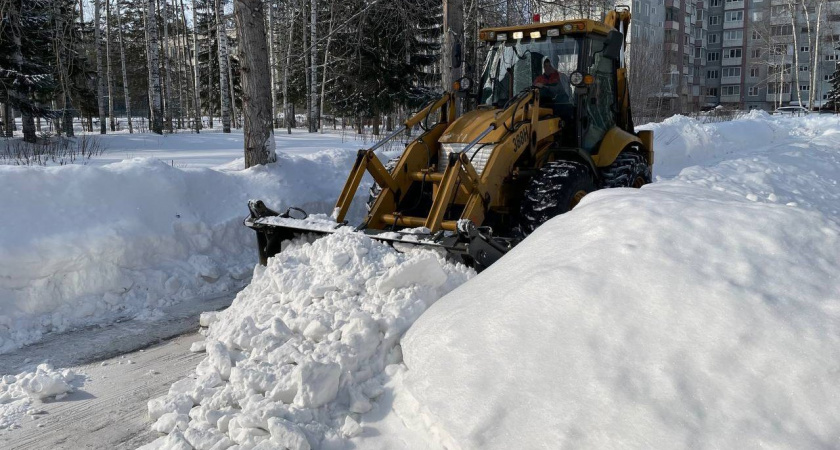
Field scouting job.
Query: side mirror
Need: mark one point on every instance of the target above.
(615, 41)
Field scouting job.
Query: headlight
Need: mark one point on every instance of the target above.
(576, 78)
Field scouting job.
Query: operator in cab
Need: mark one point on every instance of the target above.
(550, 75)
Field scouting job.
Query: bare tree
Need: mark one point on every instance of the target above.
(154, 68)
(257, 116)
(124, 71)
(196, 72)
(101, 88)
(645, 71)
(313, 69)
(287, 115)
(223, 67)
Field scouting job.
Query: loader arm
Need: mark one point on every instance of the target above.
(366, 160)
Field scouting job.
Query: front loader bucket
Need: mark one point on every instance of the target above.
(473, 246)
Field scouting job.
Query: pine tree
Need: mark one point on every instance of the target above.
(834, 93)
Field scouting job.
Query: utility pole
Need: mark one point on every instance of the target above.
(453, 29)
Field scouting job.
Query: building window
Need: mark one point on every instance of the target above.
(732, 53)
(733, 16)
(757, 16)
(754, 91)
(714, 3)
(755, 53)
(647, 9)
(804, 87)
(831, 57)
(826, 77)
(696, 52)
(636, 5)
(804, 49)
(713, 74)
(713, 38)
(804, 30)
(712, 92)
(803, 68)
(781, 30)
(732, 71)
(730, 90)
(754, 72)
(714, 20)
(713, 56)
(733, 35)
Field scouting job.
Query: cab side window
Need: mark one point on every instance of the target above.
(599, 103)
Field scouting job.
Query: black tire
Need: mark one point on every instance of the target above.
(375, 189)
(554, 190)
(630, 169)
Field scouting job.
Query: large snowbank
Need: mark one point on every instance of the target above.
(82, 244)
(699, 312)
(682, 142)
(297, 358)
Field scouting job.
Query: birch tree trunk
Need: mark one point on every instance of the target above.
(124, 71)
(257, 120)
(223, 67)
(193, 62)
(272, 61)
(286, 114)
(108, 64)
(101, 89)
(792, 8)
(816, 52)
(167, 69)
(313, 72)
(154, 69)
(326, 64)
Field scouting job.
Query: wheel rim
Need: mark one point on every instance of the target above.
(577, 198)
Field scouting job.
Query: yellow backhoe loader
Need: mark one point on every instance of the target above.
(552, 123)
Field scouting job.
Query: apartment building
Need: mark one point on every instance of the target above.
(760, 53)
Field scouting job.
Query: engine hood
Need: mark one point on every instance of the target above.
(470, 125)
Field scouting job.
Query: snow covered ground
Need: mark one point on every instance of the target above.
(702, 311)
(117, 238)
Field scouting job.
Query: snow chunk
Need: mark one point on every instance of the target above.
(317, 384)
(287, 434)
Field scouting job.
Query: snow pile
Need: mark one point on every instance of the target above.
(699, 312)
(17, 392)
(82, 245)
(681, 142)
(298, 357)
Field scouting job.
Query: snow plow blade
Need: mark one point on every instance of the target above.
(471, 245)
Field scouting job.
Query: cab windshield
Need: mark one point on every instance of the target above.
(512, 66)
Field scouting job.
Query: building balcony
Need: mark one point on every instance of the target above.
(733, 5)
(672, 25)
(775, 97)
(783, 19)
(733, 25)
(788, 39)
(673, 4)
(730, 98)
(672, 47)
(731, 61)
(730, 80)
(733, 42)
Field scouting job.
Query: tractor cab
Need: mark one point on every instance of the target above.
(586, 56)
